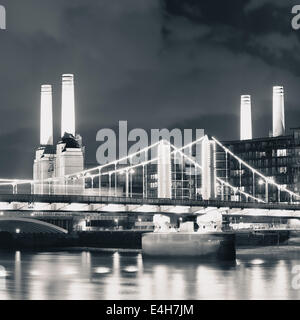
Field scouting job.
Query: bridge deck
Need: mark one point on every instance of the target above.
(80, 199)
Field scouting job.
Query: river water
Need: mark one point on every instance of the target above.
(116, 275)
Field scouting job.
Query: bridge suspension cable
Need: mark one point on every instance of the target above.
(236, 190)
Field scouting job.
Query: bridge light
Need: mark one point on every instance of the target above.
(18, 230)
(117, 223)
(271, 180)
(1, 213)
(132, 171)
(260, 182)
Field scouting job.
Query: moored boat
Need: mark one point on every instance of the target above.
(208, 242)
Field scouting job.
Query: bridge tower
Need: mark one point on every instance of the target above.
(164, 176)
(208, 169)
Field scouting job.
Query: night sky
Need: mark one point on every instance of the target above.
(155, 63)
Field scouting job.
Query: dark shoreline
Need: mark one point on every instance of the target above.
(131, 239)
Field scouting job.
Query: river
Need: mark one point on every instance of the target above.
(117, 275)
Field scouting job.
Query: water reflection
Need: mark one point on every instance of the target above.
(85, 275)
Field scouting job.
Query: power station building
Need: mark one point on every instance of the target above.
(276, 156)
(67, 157)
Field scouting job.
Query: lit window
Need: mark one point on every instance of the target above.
(283, 170)
(281, 153)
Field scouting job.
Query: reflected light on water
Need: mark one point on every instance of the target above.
(102, 270)
(206, 283)
(35, 273)
(139, 262)
(178, 286)
(116, 262)
(84, 275)
(86, 264)
(69, 271)
(281, 280)
(3, 291)
(258, 288)
(18, 275)
(17, 257)
(257, 261)
(160, 276)
(131, 269)
(112, 283)
(3, 272)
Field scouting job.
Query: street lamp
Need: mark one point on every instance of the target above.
(18, 231)
(117, 223)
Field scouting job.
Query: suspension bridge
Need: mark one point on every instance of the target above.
(193, 179)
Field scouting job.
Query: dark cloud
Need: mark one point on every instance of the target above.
(159, 63)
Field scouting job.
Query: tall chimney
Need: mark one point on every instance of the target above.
(46, 130)
(246, 118)
(278, 112)
(68, 105)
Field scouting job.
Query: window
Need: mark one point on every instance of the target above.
(153, 185)
(283, 170)
(281, 153)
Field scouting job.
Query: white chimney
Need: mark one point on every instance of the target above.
(68, 105)
(46, 129)
(278, 112)
(246, 118)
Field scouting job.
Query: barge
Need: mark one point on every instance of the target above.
(208, 242)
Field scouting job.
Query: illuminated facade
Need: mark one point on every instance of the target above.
(278, 112)
(67, 156)
(46, 130)
(246, 118)
(69, 159)
(44, 162)
(68, 105)
(275, 157)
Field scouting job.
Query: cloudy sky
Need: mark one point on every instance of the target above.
(155, 63)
